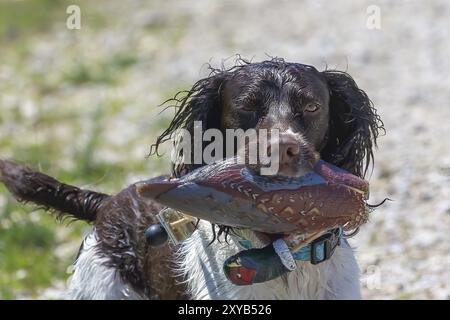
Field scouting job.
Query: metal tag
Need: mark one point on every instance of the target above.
(179, 226)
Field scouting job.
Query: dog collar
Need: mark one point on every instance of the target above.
(320, 249)
(257, 265)
(317, 251)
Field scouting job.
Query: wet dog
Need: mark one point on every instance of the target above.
(319, 115)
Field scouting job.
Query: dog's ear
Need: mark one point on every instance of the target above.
(354, 125)
(202, 103)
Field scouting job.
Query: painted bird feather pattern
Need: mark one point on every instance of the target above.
(231, 194)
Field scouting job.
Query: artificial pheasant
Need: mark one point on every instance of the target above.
(231, 194)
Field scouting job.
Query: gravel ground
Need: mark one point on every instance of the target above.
(404, 251)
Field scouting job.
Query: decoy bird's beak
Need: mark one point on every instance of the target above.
(153, 188)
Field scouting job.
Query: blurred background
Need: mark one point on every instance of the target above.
(82, 105)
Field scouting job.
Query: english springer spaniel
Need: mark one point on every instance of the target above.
(323, 112)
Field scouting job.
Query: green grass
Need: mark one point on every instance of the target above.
(107, 72)
(23, 19)
(19, 19)
(27, 252)
(406, 296)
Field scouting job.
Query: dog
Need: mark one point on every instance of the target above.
(318, 114)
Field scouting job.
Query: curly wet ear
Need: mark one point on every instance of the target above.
(201, 103)
(354, 125)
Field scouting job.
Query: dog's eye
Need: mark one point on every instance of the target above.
(311, 107)
(251, 106)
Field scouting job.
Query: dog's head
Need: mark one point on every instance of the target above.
(319, 114)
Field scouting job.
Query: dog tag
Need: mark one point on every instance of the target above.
(179, 226)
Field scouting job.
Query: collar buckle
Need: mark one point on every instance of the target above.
(323, 247)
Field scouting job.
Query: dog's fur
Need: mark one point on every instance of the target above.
(328, 116)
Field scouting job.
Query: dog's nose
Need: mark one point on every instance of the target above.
(289, 149)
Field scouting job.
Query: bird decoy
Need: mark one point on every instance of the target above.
(231, 194)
